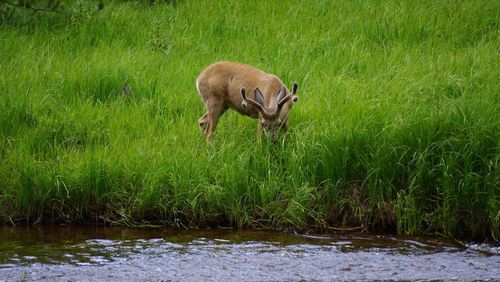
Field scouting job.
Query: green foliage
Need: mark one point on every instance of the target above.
(28, 12)
(396, 127)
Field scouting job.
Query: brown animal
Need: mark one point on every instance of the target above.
(224, 85)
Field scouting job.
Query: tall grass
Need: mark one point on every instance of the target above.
(397, 126)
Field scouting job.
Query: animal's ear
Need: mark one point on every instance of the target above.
(243, 97)
(294, 91)
(258, 96)
(281, 93)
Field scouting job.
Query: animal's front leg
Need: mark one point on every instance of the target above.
(259, 133)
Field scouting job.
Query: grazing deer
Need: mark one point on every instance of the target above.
(224, 85)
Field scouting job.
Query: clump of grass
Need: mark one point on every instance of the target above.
(396, 127)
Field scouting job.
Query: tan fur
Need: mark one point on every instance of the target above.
(219, 86)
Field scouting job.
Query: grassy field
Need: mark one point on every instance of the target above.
(397, 127)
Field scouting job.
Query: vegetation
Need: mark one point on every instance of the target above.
(396, 127)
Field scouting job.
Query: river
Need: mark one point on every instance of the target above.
(69, 253)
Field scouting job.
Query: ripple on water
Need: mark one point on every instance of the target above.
(487, 249)
(240, 255)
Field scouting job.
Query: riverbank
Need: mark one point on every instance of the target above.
(396, 128)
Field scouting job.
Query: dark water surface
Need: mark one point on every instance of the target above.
(56, 253)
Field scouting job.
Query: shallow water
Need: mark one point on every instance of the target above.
(55, 253)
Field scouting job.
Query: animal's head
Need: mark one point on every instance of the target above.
(271, 121)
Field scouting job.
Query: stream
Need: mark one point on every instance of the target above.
(69, 253)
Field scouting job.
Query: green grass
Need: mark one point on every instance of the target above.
(397, 126)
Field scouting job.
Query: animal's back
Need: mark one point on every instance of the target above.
(230, 72)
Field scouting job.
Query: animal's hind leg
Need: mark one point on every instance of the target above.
(213, 114)
(203, 122)
(213, 100)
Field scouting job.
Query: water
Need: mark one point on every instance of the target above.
(53, 253)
